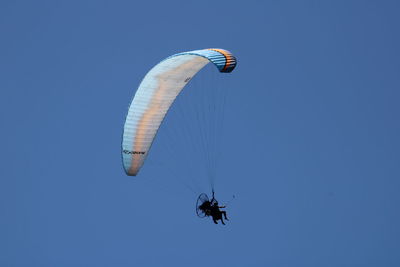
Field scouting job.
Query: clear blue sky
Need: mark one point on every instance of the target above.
(311, 145)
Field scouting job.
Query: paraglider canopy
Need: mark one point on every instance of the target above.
(155, 95)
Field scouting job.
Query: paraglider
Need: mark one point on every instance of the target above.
(153, 99)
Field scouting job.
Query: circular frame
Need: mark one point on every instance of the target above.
(200, 201)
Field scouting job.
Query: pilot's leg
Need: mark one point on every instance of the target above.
(215, 221)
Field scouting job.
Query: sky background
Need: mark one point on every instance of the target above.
(311, 138)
